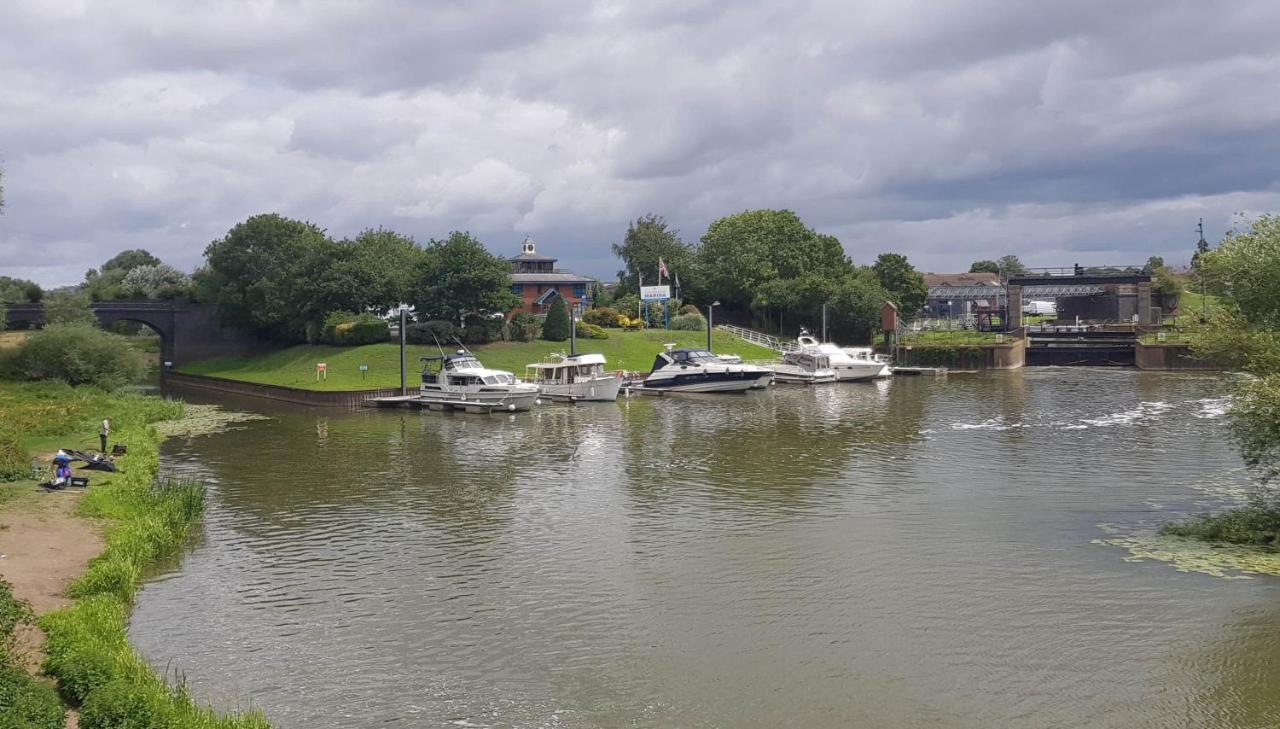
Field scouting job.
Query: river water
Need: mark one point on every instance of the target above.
(914, 553)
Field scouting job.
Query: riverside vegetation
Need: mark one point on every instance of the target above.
(1244, 334)
(143, 518)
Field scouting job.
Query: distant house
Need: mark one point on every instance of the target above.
(957, 308)
(537, 281)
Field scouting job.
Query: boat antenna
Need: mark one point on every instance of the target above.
(437, 341)
(464, 347)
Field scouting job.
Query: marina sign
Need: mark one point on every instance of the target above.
(655, 293)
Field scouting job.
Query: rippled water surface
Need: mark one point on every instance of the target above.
(914, 553)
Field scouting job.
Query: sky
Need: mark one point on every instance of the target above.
(1063, 132)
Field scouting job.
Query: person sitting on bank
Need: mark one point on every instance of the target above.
(104, 433)
(61, 470)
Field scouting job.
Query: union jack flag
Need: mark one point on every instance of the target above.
(662, 268)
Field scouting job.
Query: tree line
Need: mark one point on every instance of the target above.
(766, 268)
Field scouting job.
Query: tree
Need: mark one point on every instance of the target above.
(556, 327)
(600, 296)
(128, 260)
(1247, 266)
(256, 275)
(160, 281)
(68, 307)
(904, 284)
(740, 253)
(1011, 266)
(457, 277)
(649, 238)
(19, 290)
(984, 266)
(1154, 263)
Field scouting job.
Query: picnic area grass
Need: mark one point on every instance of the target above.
(296, 366)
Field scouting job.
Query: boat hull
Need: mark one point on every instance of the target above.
(518, 400)
(604, 389)
(859, 372)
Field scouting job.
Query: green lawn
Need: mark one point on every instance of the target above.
(296, 366)
(950, 338)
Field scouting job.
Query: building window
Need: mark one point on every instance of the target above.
(579, 291)
(517, 289)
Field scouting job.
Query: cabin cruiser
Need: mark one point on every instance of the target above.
(459, 377)
(804, 368)
(847, 368)
(575, 377)
(697, 370)
(866, 355)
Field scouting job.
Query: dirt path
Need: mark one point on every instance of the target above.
(43, 547)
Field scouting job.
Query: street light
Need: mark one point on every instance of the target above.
(404, 382)
(710, 317)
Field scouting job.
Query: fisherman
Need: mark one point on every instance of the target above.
(61, 470)
(104, 433)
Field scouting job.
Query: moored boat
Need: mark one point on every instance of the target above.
(847, 367)
(697, 370)
(804, 368)
(461, 378)
(574, 378)
(865, 355)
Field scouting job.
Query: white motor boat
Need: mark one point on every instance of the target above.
(460, 378)
(847, 367)
(575, 377)
(866, 355)
(697, 370)
(804, 368)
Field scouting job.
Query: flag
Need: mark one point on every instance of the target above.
(662, 269)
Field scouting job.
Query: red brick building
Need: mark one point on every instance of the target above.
(537, 281)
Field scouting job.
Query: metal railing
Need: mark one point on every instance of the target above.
(759, 339)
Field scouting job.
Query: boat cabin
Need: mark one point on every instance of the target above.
(686, 357)
(461, 369)
(571, 369)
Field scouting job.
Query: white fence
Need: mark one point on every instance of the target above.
(761, 340)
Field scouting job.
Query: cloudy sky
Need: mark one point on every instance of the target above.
(1085, 131)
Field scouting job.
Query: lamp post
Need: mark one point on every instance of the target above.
(710, 318)
(404, 382)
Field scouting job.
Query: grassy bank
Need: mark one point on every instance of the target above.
(25, 701)
(296, 366)
(86, 647)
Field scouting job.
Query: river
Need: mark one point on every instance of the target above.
(911, 553)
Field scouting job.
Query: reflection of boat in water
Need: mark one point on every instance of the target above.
(804, 368)
(697, 370)
(453, 378)
(576, 377)
(847, 367)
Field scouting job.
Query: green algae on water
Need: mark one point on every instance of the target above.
(203, 420)
(1228, 561)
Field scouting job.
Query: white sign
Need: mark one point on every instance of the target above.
(655, 293)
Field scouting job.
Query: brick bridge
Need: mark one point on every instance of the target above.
(187, 331)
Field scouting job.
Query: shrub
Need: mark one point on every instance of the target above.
(68, 308)
(591, 331)
(14, 464)
(689, 322)
(556, 326)
(77, 354)
(1248, 525)
(629, 323)
(602, 317)
(524, 327)
(347, 329)
(423, 332)
(690, 309)
(482, 330)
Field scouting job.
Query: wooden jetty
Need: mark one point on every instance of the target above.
(921, 371)
(422, 403)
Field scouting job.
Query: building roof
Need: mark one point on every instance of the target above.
(531, 257)
(547, 278)
(962, 279)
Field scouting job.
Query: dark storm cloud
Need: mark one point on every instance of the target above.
(1088, 130)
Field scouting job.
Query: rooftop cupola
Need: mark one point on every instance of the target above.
(528, 247)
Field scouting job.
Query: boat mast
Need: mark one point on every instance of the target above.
(573, 330)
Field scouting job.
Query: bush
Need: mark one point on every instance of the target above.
(77, 354)
(347, 329)
(591, 331)
(689, 322)
(68, 308)
(482, 330)
(524, 327)
(690, 309)
(602, 317)
(14, 464)
(424, 331)
(629, 323)
(556, 326)
(1248, 525)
